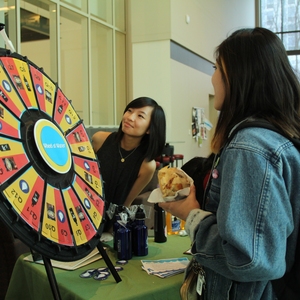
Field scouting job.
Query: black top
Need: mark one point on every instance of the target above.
(119, 177)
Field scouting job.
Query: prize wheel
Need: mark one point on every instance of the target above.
(51, 190)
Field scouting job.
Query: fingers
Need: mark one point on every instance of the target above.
(167, 205)
(173, 207)
(181, 208)
(193, 189)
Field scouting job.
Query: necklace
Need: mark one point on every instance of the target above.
(123, 158)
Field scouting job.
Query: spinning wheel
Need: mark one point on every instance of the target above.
(51, 191)
(50, 184)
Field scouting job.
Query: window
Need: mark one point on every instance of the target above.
(283, 18)
(81, 45)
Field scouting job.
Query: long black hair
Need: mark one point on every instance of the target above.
(259, 81)
(156, 138)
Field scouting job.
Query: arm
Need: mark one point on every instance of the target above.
(98, 139)
(146, 172)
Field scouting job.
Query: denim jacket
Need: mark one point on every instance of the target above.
(244, 236)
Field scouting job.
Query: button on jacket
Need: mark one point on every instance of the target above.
(245, 235)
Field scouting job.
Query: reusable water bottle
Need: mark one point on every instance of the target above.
(140, 234)
(160, 232)
(116, 225)
(132, 212)
(124, 239)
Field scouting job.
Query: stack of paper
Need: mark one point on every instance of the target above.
(71, 265)
(165, 267)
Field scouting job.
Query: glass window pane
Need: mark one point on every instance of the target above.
(38, 32)
(120, 75)
(278, 15)
(283, 18)
(291, 16)
(102, 9)
(120, 14)
(74, 60)
(291, 40)
(80, 4)
(102, 105)
(271, 14)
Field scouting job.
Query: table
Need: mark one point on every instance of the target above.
(29, 280)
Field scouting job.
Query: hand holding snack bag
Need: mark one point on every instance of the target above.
(174, 184)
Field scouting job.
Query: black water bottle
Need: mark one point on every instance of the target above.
(159, 224)
(140, 234)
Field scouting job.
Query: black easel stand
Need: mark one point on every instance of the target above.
(52, 279)
(108, 263)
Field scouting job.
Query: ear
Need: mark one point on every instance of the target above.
(148, 131)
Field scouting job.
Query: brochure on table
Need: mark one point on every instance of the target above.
(72, 265)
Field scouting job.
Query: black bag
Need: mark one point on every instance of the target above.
(288, 286)
(198, 168)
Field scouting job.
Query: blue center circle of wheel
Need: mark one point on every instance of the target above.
(52, 146)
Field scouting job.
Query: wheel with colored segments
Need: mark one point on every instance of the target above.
(51, 190)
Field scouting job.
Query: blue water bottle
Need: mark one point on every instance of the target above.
(124, 239)
(117, 225)
(140, 234)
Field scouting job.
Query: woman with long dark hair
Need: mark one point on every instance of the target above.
(245, 233)
(127, 157)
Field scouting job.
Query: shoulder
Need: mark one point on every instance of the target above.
(259, 137)
(264, 142)
(98, 139)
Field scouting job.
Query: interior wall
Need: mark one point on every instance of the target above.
(151, 73)
(198, 26)
(150, 20)
(190, 88)
(209, 22)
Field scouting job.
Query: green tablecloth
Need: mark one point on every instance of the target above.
(29, 280)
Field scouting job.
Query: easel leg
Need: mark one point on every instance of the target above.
(51, 278)
(108, 263)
